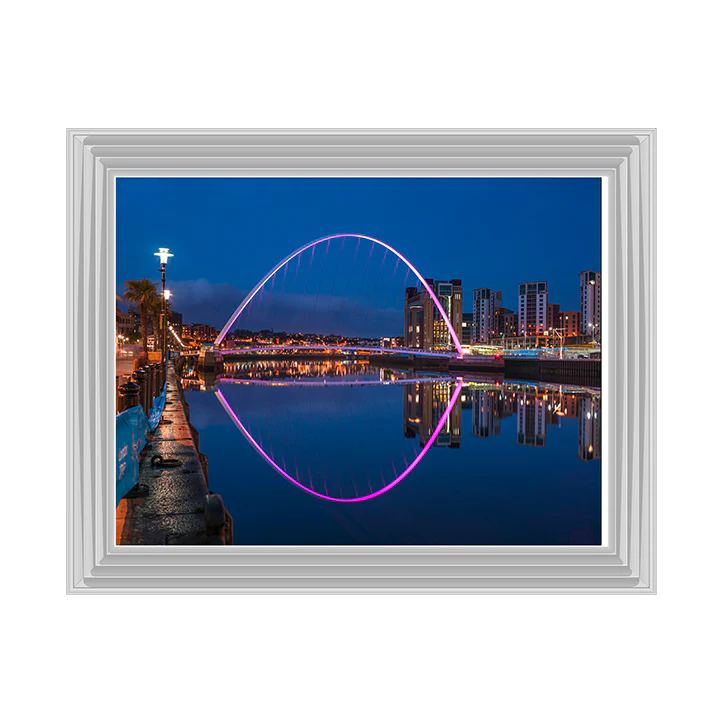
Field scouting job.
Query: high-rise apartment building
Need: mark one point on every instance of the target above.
(484, 305)
(532, 308)
(590, 304)
(424, 327)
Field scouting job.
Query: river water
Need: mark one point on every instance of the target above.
(311, 452)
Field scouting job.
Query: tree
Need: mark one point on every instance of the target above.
(155, 309)
(143, 295)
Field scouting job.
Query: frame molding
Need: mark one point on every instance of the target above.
(624, 158)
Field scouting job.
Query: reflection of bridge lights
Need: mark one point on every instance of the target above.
(257, 447)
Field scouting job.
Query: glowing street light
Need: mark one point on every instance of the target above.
(164, 255)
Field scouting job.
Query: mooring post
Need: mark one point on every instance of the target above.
(139, 377)
(129, 396)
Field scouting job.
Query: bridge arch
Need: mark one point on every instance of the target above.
(301, 249)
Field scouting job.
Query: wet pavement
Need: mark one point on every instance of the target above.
(173, 511)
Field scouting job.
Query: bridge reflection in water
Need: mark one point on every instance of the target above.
(525, 467)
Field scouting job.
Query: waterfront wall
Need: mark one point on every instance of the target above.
(584, 372)
(173, 504)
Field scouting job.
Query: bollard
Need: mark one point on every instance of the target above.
(129, 396)
(139, 377)
(214, 515)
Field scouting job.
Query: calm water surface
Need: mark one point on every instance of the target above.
(346, 453)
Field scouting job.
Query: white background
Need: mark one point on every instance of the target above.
(360, 64)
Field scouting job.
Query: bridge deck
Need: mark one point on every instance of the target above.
(325, 347)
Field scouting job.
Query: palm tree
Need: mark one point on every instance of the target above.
(155, 309)
(143, 295)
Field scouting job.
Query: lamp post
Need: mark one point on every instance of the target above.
(166, 298)
(558, 332)
(164, 255)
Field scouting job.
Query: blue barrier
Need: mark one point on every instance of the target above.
(157, 409)
(131, 428)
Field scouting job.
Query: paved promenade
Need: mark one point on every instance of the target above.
(173, 511)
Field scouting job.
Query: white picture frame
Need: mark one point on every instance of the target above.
(623, 158)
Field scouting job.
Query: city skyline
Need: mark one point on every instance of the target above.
(546, 229)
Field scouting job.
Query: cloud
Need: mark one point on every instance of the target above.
(204, 302)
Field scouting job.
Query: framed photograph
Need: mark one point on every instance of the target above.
(372, 361)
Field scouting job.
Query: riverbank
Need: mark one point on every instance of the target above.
(179, 508)
(585, 372)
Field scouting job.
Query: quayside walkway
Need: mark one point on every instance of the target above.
(178, 508)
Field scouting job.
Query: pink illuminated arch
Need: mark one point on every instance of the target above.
(381, 491)
(300, 250)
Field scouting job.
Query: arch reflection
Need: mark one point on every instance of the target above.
(428, 443)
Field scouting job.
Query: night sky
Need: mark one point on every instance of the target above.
(226, 233)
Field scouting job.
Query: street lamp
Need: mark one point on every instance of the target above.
(164, 255)
(558, 332)
(166, 298)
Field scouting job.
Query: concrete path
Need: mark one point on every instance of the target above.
(173, 511)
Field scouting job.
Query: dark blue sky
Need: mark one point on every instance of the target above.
(226, 233)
